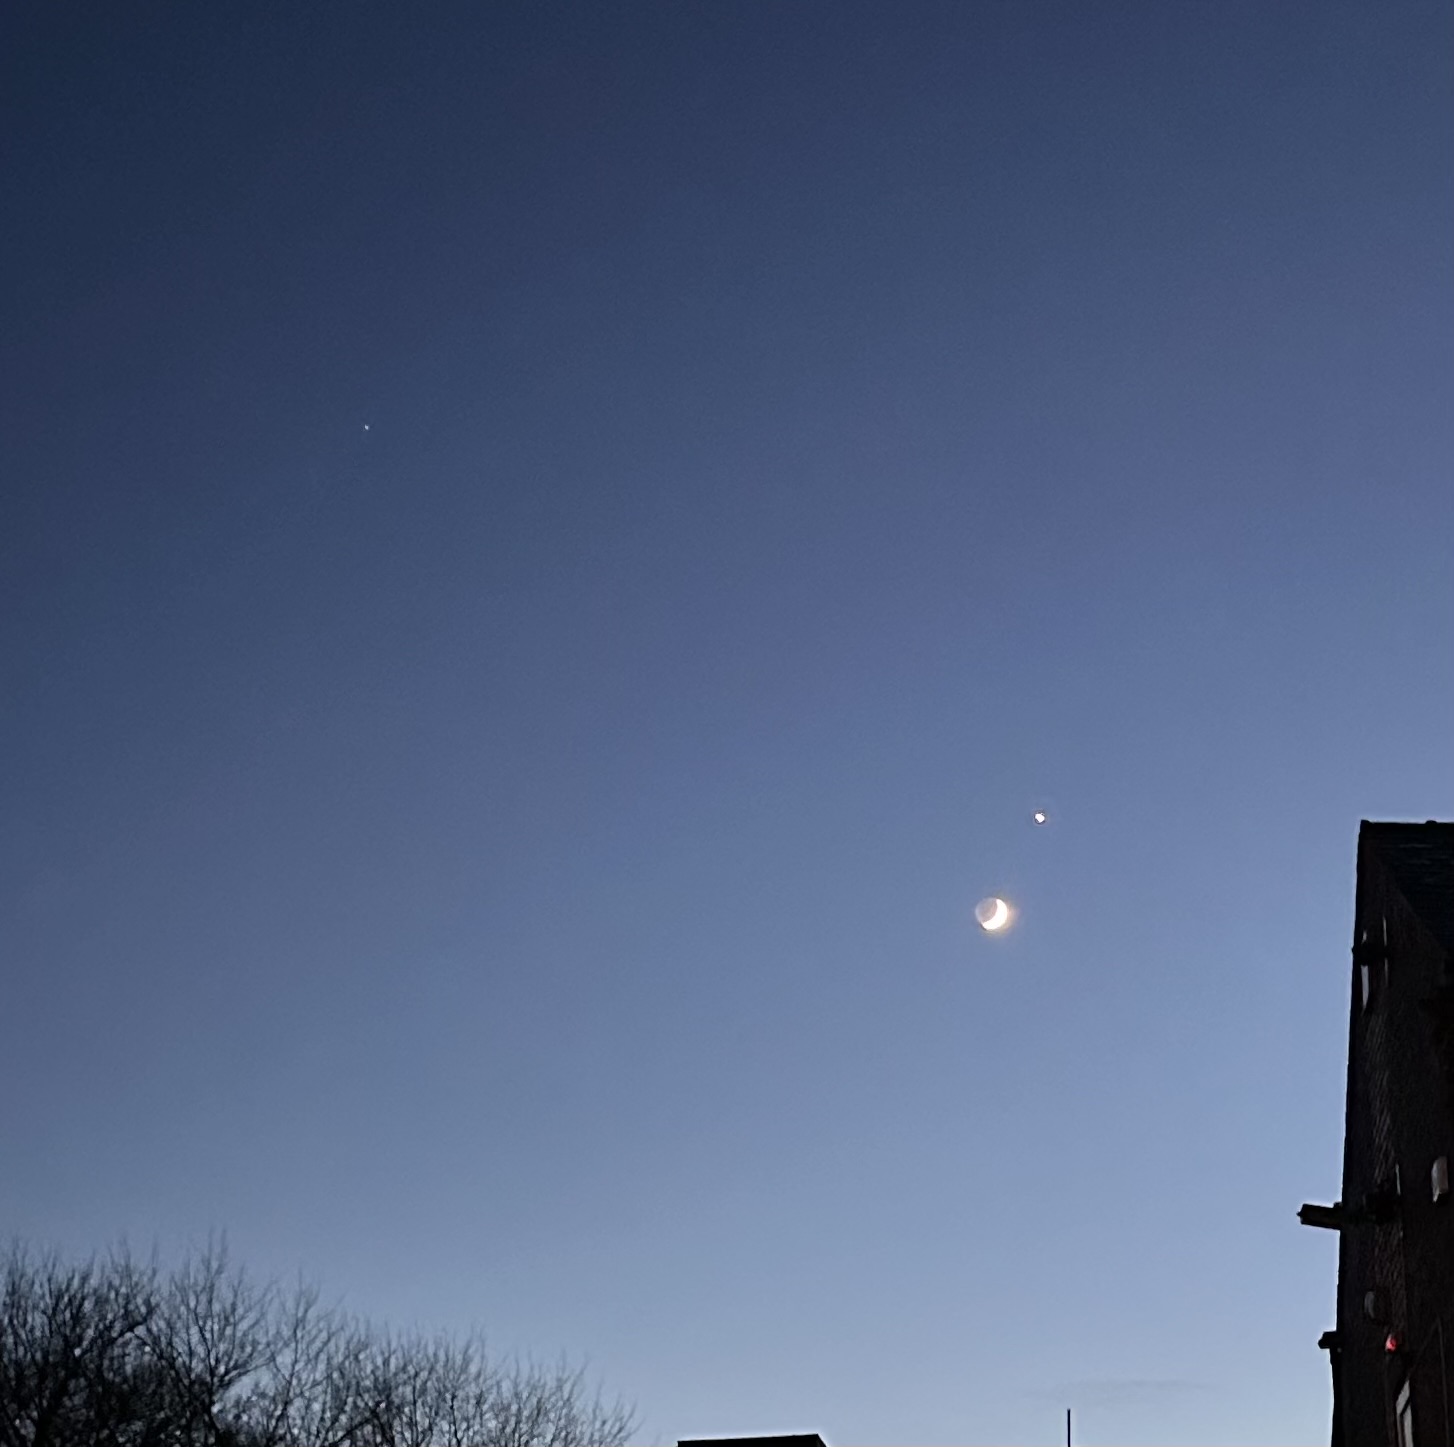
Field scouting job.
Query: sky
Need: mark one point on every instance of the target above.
(548, 553)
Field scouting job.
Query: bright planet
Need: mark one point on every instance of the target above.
(993, 914)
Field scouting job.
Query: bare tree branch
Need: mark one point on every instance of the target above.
(111, 1354)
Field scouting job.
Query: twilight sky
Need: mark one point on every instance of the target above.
(548, 553)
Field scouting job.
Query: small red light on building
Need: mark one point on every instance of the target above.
(1391, 1344)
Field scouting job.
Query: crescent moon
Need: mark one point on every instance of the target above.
(997, 918)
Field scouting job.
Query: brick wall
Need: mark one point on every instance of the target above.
(1400, 1111)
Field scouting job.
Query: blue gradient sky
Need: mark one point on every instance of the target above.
(515, 864)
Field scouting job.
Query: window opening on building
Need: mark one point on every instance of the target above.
(1405, 1414)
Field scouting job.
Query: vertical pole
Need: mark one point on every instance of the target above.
(1067, 1427)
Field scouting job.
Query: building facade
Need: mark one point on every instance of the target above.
(1393, 1346)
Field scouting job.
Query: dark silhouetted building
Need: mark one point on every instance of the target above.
(1391, 1349)
(796, 1439)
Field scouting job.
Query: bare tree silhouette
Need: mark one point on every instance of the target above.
(113, 1353)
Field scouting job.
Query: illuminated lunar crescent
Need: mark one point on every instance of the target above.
(993, 914)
